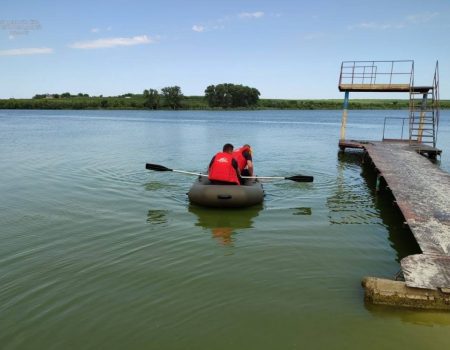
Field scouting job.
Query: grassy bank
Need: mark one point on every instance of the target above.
(196, 103)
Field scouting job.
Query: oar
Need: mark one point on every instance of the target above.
(158, 167)
(296, 178)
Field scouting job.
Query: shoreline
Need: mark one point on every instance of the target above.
(199, 103)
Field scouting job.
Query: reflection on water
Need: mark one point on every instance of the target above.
(157, 185)
(401, 238)
(157, 217)
(223, 234)
(430, 318)
(349, 203)
(302, 211)
(223, 223)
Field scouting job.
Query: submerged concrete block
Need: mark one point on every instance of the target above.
(396, 293)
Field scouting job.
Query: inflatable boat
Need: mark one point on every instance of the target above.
(206, 194)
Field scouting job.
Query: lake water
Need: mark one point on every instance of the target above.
(98, 253)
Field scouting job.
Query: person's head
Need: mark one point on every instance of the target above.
(228, 148)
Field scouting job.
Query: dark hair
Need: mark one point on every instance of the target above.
(227, 147)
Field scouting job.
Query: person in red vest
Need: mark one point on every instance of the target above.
(243, 156)
(223, 168)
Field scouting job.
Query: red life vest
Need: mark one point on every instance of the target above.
(222, 168)
(239, 156)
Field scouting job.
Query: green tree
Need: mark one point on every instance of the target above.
(211, 96)
(152, 99)
(172, 96)
(231, 96)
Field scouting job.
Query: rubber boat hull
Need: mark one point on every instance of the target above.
(206, 194)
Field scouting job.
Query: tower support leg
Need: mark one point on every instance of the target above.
(344, 116)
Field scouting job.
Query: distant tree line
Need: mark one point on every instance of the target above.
(216, 96)
(63, 95)
(171, 97)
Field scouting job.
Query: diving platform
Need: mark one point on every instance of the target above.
(421, 190)
(384, 88)
(376, 76)
(394, 76)
(375, 87)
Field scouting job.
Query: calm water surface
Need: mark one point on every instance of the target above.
(98, 253)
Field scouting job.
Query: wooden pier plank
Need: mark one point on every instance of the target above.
(426, 271)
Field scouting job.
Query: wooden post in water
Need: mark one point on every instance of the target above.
(344, 116)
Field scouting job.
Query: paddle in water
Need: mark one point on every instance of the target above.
(296, 178)
(157, 167)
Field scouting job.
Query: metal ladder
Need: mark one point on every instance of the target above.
(424, 112)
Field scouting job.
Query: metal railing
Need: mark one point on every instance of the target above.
(403, 127)
(376, 72)
(436, 102)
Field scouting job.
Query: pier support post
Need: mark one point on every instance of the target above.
(344, 116)
(378, 183)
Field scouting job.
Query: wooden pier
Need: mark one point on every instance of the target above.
(422, 193)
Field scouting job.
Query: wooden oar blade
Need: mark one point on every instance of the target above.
(156, 167)
(300, 178)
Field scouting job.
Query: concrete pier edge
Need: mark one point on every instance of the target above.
(395, 293)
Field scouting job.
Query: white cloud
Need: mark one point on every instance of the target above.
(407, 21)
(251, 15)
(376, 26)
(198, 28)
(26, 51)
(221, 22)
(112, 42)
(98, 30)
(421, 17)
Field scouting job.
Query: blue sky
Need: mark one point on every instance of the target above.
(286, 49)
